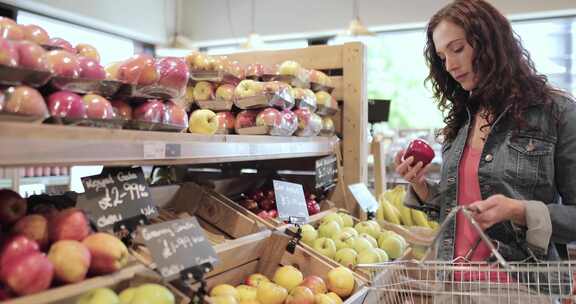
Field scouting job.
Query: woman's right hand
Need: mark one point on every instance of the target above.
(414, 174)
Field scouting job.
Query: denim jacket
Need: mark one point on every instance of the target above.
(535, 165)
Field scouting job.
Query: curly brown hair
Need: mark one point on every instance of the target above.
(506, 73)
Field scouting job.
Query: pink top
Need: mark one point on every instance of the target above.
(466, 234)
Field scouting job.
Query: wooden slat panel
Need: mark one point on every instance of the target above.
(337, 82)
(355, 123)
(316, 57)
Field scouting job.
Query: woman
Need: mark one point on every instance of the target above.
(509, 149)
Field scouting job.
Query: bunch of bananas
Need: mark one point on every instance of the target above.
(392, 210)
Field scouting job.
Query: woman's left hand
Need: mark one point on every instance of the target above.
(498, 208)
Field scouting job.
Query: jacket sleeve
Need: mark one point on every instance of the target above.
(563, 216)
(412, 200)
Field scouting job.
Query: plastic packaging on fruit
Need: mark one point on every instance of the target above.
(173, 75)
(63, 63)
(10, 30)
(305, 98)
(281, 94)
(226, 122)
(26, 101)
(66, 104)
(328, 128)
(244, 120)
(122, 109)
(309, 123)
(151, 110)
(289, 124)
(326, 104)
(175, 115)
(31, 56)
(9, 51)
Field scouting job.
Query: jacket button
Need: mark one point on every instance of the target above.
(488, 158)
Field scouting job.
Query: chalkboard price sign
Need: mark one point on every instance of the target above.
(364, 197)
(116, 195)
(178, 245)
(326, 172)
(290, 202)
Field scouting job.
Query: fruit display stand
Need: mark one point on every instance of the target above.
(346, 66)
(263, 253)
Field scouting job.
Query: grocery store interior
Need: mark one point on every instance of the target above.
(247, 151)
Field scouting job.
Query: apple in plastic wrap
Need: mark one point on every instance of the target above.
(91, 69)
(87, 50)
(31, 56)
(122, 109)
(226, 122)
(138, 69)
(63, 63)
(35, 33)
(10, 30)
(61, 43)
(98, 107)
(9, 54)
(269, 117)
(66, 104)
(175, 115)
(245, 119)
(173, 74)
(25, 100)
(151, 110)
(309, 123)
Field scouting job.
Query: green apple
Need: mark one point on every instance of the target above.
(99, 296)
(340, 239)
(325, 246)
(309, 234)
(347, 219)
(203, 121)
(394, 245)
(361, 244)
(374, 225)
(333, 217)
(383, 255)
(328, 229)
(367, 227)
(340, 280)
(323, 299)
(350, 230)
(148, 294)
(369, 256)
(346, 257)
(127, 295)
(288, 277)
(370, 239)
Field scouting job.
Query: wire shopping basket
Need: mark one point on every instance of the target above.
(461, 281)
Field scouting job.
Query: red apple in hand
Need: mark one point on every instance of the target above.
(27, 274)
(91, 69)
(12, 207)
(420, 150)
(66, 104)
(35, 33)
(32, 56)
(16, 246)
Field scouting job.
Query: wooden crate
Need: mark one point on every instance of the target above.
(130, 276)
(347, 64)
(220, 221)
(263, 253)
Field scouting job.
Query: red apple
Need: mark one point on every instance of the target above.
(8, 53)
(10, 30)
(61, 43)
(122, 109)
(35, 33)
(175, 115)
(12, 207)
(235, 69)
(138, 69)
(319, 78)
(98, 107)
(151, 110)
(273, 213)
(255, 70)
(257, 195)
(315, 283)
(25, 100)
(34, 227)
(249, 204)
(69, 224)
(91, 69)
(63, 63)
(263, 214)
(173, 73)
(420, 150)
(29, 273)
(309, 123)
(32, 56)
(66, 104)
(87, 50)
(300, 295)
(269, 194)
(226, 121)
(312, 207)
(16, 246)
(269, 117)
(267, 204)
(245, 119)
(289, 121)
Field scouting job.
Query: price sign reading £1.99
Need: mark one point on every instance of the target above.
(178, 245)
(116, 195)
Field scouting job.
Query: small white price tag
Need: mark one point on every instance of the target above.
(154, 150)
(364, 197)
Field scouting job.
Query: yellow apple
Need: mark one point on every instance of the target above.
(255, 279)
(360, 244)
(347, 257)
(369, 256)
(368, 227)
(394, 245)
(341, 281)
(271, 293)
(370, 239)
(203, 90)
(71, 260)
(300, 295)
(325, 246)
(315, 283)
(333, 217)
(341, 238)
(99, 296)
(323, 299)
(329, 229)
(288, 277)
(383, 255)
(347, 220)
(350, 230)
(335, 297)
(147, 294)
(226, 299)
(289, 67)
(224, 290)
(309, 234)
(246, 292)
(203, 121)
(225, 92)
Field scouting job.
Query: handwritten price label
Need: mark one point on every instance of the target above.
(116, 195)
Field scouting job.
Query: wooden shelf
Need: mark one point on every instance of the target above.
(32, 144)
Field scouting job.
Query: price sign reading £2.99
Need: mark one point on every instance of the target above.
(116, 195)
(178, 245)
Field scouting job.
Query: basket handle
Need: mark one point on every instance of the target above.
(468, 214)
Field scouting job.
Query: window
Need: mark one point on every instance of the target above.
(111, 48)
